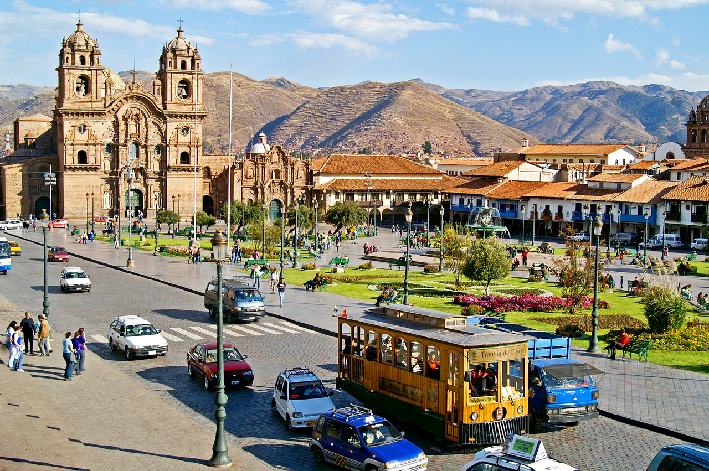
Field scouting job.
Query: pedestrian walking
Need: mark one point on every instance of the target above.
(34, 225)
(43, 336)
(14, 361)
(69, 356)
(621, 281)
(524, 257)
(257, 276)
(79, 349)
(116, 241)
(337, 245)
(27, 325)
(281, 290)
(273, 279)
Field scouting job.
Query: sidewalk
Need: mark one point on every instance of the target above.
(661, 397)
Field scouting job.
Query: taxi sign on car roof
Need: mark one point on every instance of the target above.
(524, 447)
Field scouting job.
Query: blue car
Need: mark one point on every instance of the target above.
(354, 438)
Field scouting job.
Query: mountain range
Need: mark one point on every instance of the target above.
(399, 117)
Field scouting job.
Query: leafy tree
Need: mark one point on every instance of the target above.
(306, 217)
(486, 261)
(273, 234)
(166, 216)
(664, 308)
(345, 214)
(427, 147)
(204, 219)
(365, 151)
(455, 251)
(242, 214)
(576, 270)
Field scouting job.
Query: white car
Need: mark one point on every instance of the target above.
(699, 244)
(518, 454)
(300, 397)
(74, 279)
(135, 336)
(581, 237)
(10, 224)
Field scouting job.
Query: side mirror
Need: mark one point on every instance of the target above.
(245, 356)
(283, 396)
(403, 434)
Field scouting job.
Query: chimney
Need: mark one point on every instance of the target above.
(641, 147)
(525, 142)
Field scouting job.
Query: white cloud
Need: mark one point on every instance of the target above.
(677, 65)
(307, 40)
(613, 45)
(676, 41)
(550, 11)
(446, 9)
(251, 7)
(661, 56)
(495, 16)
(375, 22)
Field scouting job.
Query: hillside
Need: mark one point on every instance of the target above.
(587, 112)
(389, 118)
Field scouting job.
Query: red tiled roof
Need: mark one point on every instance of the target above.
(583, 192)
(574, 149)
(476, 187)
(560, 190)
(684, 164)
(515, 190)
(649, 192)
(481, 161)
(436, 183)
(644, 165)
(616, 177)
(497, 169)
(692, 189)
(357, 164)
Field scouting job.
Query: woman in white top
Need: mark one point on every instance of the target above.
(274, 280)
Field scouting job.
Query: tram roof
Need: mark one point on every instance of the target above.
(465, 336)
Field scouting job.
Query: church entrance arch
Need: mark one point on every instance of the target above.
(274, 210)
(135, 201)
(41, 203)
(208, 205)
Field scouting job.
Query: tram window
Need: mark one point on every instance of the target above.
(358, 345)
(453, 369)
(371, 353)
(402, 353)
(512, 379)
(387, 348)
(482, 379)
(433, 362)
(416, 363)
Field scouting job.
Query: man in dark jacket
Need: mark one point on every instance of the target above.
(27, 325)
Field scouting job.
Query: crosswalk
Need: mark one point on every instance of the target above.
(209, 331)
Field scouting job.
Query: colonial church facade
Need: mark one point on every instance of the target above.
(104, 130)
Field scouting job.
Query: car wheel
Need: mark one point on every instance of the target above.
(317, 454)
(273, 402)
(113, 346)
(289, 424)
(129, 355)
(370, 468)
(61, 287)
(212, 312)
(207, 384)
(532, 421)
(190, 371)
(572, 424)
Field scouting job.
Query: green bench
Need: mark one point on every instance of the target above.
(541, 272)
(339, 262)
(691, 257)
(397, 263)
(323, 285)
(629, 252)
(639, 347)
(249, 263)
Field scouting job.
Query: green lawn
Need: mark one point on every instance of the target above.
(620, 303)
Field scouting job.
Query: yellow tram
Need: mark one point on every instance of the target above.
(460, 381)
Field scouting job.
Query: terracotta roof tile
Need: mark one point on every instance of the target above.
(616, 177)
(649, 192)
(497, 169)
(346, 164)
(441, 183)
(473, 161)
(583, 192)
(515, 190)
(684, 164)
(692, 189)
(644, 165)
(480, 187)
(560, 190)
(574, 149)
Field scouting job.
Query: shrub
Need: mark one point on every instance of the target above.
(570, 330)
(606, 321)
(308, 266)
(664, 308)
(694, 337)
(472, 310)
(526, 302)
(430, 269)
(534, 279)
(366, 266)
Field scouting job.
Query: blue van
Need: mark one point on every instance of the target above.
(354, 438)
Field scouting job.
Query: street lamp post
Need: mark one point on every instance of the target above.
(129, 177)
(428, 222)
(523, 207)
(283, 226)
(368, 185)
(440, 243)
(593, 343)
(92, 212)
(534, 223)
(409, 216)
(220, 453)
(263, 253)
(315, 207)
(173, 216)
(178, 211)
(87, 213)
(295, 238)
(664, 217)
(587, 216)
(156, 229)
(44, 222)
(647, 216)
(617, 230)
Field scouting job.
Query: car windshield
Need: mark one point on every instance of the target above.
(249, 295)
(14, 244)
(307, 390)
(75, 274)
(59, 250)
(4, 249)
(230, 354)
(567, 376)
(140, 329)
(380, 433)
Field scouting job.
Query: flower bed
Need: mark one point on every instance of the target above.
(606, 321)
(176, 250)
(430, 269)
(570, 330)
(520, 291)
(694, 337)
(524, 303)
(308, 266)
(366, 266)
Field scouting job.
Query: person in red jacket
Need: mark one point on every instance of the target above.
(622, 341)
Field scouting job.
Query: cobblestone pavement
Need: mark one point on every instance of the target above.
(251, 425)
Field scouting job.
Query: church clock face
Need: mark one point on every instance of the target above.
(185, 130)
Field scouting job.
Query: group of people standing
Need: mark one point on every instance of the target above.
(74, 348)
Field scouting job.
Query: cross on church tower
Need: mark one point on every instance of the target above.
(180, 21)
(134, 70)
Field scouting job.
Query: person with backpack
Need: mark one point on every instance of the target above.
(27, 325)
(281, 290)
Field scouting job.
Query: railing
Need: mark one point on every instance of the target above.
(699, 217)
(577, 216)
(508, 214)
(673, 216)
(637, 218)
(607, 217)
(559, 217)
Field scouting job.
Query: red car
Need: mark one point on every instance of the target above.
(59, 223)
(202, 362)
(57, 254)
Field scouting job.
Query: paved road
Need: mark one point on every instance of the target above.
(250, 423)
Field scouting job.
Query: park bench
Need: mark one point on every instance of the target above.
(398, 299)
(542, 272)
(397, 263)
(324, 284)
(339, 262)
(629, 252)
(249, 263)
(639, 347)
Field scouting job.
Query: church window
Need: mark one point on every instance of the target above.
(276, 175)
(108, 148)
(694, 136)
(82, 86)
(603, 162)
(82, 157)
(185, 158)
(158, 150)
(670, 155)
(250, 173)
(183, 89)
(82, 60)
(169, 64)
(183, 65)
(704, 135)
(133, 150)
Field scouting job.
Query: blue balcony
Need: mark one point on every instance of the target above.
(638, 218)
(508, 214)
(577, 216)
(607, 217)
(464, 208)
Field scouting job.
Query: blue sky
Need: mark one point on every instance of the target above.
(483, 44)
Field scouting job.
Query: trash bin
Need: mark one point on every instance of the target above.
(123, 242)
